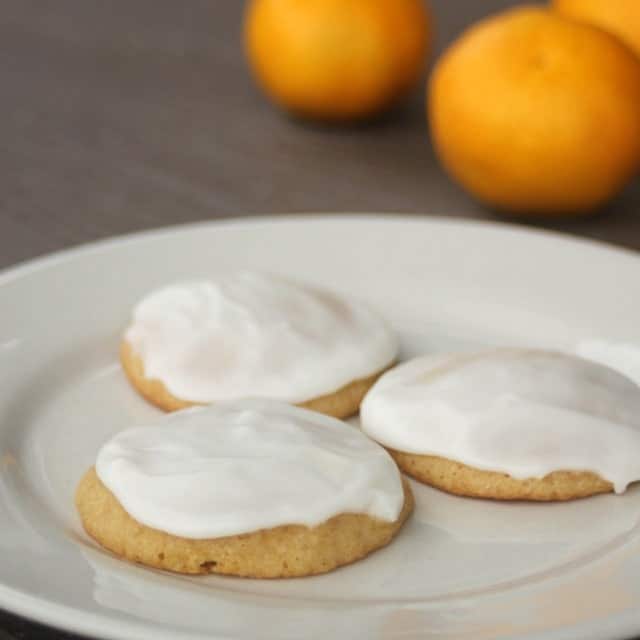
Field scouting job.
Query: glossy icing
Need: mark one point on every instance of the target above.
(248, 334)
(522, 412)
(236, 468)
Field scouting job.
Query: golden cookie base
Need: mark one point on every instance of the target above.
(462, 480)
(281, 552)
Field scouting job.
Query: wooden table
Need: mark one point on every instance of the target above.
(126, 115)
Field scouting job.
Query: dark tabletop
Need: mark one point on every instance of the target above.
(127, 115)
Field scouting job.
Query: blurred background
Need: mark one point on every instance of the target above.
(124, 116)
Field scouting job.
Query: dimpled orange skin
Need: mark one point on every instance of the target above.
(621, 17)
(536, 114)
(336, 59)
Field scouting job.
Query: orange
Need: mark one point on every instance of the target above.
(336, 59)
(621, 17)
(535, 113)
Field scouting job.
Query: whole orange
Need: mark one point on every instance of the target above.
(336, 59)
(535, 113)
(621, 17)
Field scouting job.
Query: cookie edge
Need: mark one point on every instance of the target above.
(107, 522)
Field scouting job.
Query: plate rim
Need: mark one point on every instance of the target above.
(35, 263)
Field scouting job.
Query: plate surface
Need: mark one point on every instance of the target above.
(460, 569)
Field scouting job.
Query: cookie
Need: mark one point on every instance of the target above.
(340, 404)
(245, 489)
(247, 334)
(286, 551)
(509, 424)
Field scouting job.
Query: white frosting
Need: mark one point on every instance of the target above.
(236, 468)
(247, 334)
(521, 412)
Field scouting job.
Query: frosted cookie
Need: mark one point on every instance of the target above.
(509, 424)
(258, 489)
(248, 334)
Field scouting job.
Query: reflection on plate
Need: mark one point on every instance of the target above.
(461, 568)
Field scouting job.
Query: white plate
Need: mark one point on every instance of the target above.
(460, 568)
